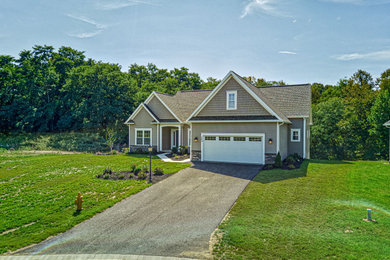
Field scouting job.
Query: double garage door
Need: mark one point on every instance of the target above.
(235, 148)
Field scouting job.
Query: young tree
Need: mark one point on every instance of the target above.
(110, 138)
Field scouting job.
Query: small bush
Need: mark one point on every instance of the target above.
(107, 171)
(139, 150)
(183, 150)
(144, 168)
(125, 150)
(268, 167)
(290, 160)
(278, 161)
(137, 171)
(174, 150)
(131, 176)
(142, 176)
(297, 157)
(106, 176)
(114, 152)
(291, 166)
(158, 171)
(133, 166)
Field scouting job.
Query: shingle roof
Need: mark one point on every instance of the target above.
(183, 103)
(286, 101)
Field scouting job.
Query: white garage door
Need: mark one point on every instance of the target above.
(236, 148)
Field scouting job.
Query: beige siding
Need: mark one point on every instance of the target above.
(295, 147)
(159, 109)
(143, 120)
(246, 104)
(185, 135)
(283, 147)
(269, 129)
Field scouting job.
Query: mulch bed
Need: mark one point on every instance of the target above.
(128, 175)
(176, 157)
(284, 166)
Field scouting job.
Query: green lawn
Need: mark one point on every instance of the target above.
(37, 192)
(314, 212)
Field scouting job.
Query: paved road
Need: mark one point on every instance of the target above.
(172, 218)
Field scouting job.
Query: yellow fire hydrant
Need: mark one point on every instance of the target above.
(79, 202)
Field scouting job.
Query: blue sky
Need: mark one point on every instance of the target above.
(292, 40)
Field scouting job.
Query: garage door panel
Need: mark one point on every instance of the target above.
(233, 151)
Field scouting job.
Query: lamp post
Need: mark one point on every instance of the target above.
(150, 149)
(387, 124)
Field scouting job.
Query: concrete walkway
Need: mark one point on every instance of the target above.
(163, 156)
(174, 217)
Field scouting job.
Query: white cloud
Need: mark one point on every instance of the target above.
(265, 6)
(119, 4)
(87, 20)
(287, 52)
(376, 55)
(85, 34)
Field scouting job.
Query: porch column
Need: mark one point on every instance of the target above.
(129, 137)
(160, 146)
(179, 141)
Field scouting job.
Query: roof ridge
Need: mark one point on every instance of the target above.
(281, 86)
(163, 93)
(194, 90)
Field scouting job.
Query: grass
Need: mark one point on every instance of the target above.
(314, 212)
(38, 191)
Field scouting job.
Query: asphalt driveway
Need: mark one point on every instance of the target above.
(172, 218)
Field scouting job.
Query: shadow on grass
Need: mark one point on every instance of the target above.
(268, 176)
(329, 162)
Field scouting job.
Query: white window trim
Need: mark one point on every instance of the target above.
(235, 99)
(143, 129)
(299, 135)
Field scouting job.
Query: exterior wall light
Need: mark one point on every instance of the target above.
(270, 141)
(196, 139)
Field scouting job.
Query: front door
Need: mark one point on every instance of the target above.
(174, 138)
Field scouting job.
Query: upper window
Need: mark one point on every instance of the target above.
(231, 100)
(295, 135)
(144, 136)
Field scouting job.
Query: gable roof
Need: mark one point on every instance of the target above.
(136, 111)
(282, 102)
(387, 124)
(184, 102)
(252, 90)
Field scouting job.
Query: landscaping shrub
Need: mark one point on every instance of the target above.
(131, 175)
(139, 151)
(158, 171)
(268, 167)
(120, 176)
(142, 176)
(278, 161)
(174, 150)
(137, 171)
(107, 171)
(297, 157)
(183, 150)
(125, 150)
(133, 166)
(114, 152)
(106, 176)
(290, 160)
(144, 168)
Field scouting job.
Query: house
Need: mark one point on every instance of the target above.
(235, 122)
(387, 124)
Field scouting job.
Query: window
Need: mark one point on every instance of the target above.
(144, 136)
(224, 138)
(254, 139)
(210, 138)
(295, 135)
(231, 100)
(239, 138)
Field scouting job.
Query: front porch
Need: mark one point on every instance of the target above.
(169, 137)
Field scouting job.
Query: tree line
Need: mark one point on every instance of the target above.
(44, 90)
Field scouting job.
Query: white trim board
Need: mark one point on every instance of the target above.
(143, 134)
